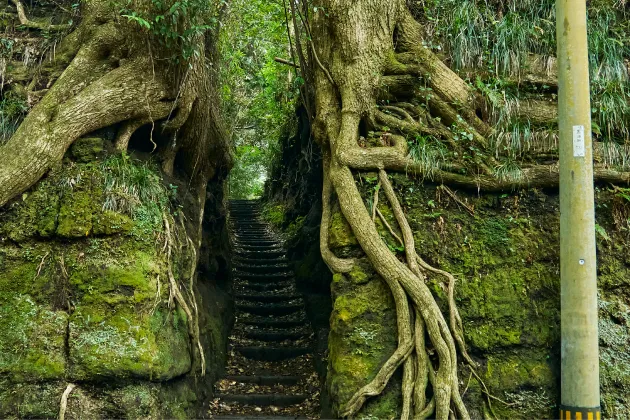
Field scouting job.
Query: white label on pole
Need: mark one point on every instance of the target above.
(578, 141)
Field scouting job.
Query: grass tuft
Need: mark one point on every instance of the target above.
(429, 152)
(13, 109)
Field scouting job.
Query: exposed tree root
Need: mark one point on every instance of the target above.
(193, 320)
(63, 406)
(456, 327)
(335, 264)
(126, 131)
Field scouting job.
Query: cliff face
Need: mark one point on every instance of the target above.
(504, 252)
(85, 296)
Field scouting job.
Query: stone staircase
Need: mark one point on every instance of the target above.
(270, 370)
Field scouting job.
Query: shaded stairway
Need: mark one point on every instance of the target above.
(270, 370)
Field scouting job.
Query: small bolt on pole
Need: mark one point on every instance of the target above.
(580, 398)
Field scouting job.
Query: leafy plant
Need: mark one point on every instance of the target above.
(135, 188)
(13, 109)
(175, 24)
(509, 170)
(429, 152)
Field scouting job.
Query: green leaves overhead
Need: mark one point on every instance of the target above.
(258, 94)
(174, 24)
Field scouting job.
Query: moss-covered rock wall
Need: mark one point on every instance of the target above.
(85, 295)
(503, 251)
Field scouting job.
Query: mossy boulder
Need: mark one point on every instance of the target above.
(340, 232)
(32, 340)
(84, 298)
(126, 344)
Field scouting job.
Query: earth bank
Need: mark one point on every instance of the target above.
(503, 250)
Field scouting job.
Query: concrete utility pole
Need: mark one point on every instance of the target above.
(578, 289)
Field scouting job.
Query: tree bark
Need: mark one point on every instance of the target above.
(116, 76)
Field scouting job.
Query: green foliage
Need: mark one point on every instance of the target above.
(258, 94)
(429, 152)
(274, 214)
(135, 188)
(248, 174)
(13, 109)
(480, 34)
(498, 37)
(176, 25)
(509, 170)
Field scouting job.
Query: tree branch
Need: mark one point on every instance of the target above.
(24, 21)
(287, 62)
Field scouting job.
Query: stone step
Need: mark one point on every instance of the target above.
(270, 309)
(259, 255)
(262, 335)
(252, 232)
(250, 228)
(268, 322)
(261, 261)
(261, 248)
(265, 380)
(257, 242)
(242, 239)
(265, 287)
(262, 268)
(267, 298)
(278, 400)
(244, 213)
(262, 278)
(272, 354)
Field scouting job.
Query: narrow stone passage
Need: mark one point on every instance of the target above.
(270, 370)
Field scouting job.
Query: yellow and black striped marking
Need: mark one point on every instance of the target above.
(580, 413)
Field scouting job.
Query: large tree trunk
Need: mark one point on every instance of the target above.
(371, 71)
(118, 74)
(355, 41)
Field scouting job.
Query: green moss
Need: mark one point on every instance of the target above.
(294, 227)
(129, 280)
(123, 343)
(361, 338)
(340, 232)
(522, 369)
(28, 400)
(137, 401)
(89, 149)
(77, 205)
(35, 215)
(109, 223)
(32, 340)
(274, 214)
(358, 274)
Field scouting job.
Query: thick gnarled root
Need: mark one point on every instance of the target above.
(423, 319)
(176, 294)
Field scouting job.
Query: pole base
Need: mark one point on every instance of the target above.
(579, 413)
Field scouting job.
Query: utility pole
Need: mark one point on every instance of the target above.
(578, 283)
